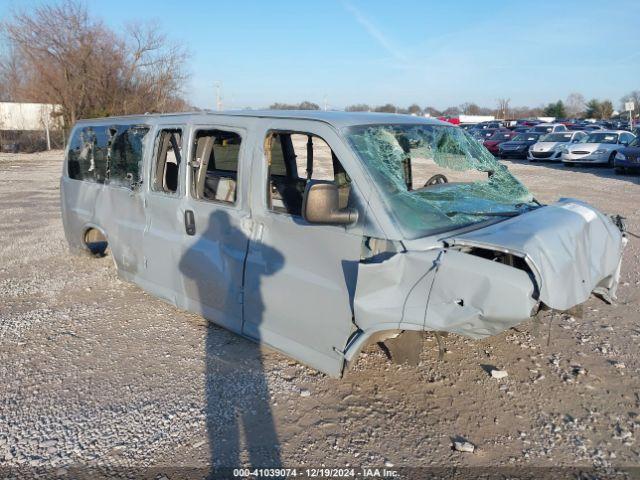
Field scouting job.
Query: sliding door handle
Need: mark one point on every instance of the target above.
(189, 222)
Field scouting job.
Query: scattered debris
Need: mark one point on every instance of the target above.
(463, 446)
(499, 374)
(305, 393)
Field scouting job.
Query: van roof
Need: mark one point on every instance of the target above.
(337, 119)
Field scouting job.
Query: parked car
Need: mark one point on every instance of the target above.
(518, 146)
(550, 146)
(528, 122)
(483, 134)
(548, 128)
(628, 158)
(319, 233)
(598, 147)
(591, 127)
(490, 124)
(496, 139)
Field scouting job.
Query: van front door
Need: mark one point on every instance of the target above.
(300, 277)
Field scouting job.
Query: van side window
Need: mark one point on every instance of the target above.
(126, 154)
(215, 166)
(168, 159)
(294, 158)
(88, 151)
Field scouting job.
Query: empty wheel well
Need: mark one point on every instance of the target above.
(96, 241)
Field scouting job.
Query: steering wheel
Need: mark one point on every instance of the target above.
(438, 179)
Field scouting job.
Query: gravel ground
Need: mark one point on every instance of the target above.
(95, 372)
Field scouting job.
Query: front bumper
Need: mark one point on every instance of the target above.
(585, 158)
(520, 153)
(550, 156)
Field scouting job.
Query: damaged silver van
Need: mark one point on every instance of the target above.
(320, 232)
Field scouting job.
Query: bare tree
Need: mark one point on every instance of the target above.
(75, 60)
(470, 108)
(575, 104)
(503, 107)
(606, 109)
(386, 108)
(358, 107)
(451, 111)
(304, 105)
(433, 112)
(634, 97)
(414, 109)
(12, 76)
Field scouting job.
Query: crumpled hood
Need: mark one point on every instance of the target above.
(571, 248)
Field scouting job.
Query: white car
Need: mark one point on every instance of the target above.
(597, 147)
(548, 128)
(551, 145)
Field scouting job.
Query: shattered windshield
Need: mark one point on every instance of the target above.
(436, 178)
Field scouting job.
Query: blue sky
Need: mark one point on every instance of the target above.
(433, 52)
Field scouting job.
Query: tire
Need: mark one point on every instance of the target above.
(618, 171)
(611, 159)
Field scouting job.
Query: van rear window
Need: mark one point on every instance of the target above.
(107, 154)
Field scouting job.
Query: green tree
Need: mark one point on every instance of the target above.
(598, 109)
(593, 109)
(556, 110)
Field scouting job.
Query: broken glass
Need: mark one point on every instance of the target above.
(436, 178)
(126, 154)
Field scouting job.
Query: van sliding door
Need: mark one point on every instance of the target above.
(216, 232)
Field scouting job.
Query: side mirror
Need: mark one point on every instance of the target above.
(320, 204)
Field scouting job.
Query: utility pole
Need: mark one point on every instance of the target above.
(218, 97)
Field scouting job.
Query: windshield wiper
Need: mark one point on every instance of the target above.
(510, 213)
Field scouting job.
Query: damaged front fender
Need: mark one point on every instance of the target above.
(439, 290)
(480, 283)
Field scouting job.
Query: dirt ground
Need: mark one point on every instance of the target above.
(93, 371)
